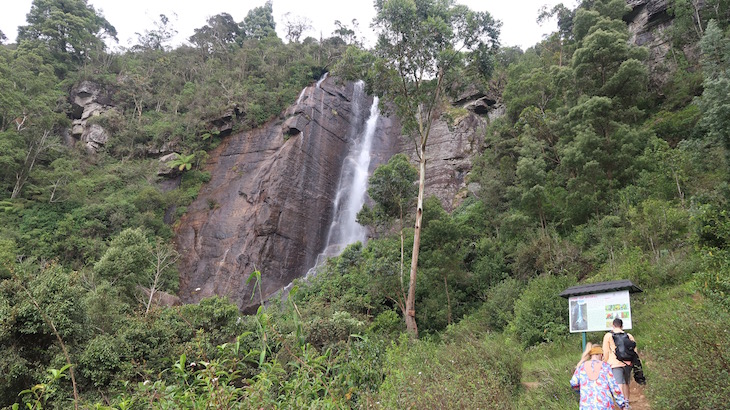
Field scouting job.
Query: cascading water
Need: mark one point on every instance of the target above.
(324, 77)
(352, 186)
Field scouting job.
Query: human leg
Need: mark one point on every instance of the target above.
(623, 376)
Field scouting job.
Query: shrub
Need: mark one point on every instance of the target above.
(469, 374)
(325, 331)
(388, 323)
(102, 360)
(499, 308)
(689, 362)
(540, 314)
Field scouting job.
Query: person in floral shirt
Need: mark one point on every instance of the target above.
(594, 379)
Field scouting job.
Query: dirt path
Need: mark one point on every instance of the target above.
(638, 400)
(637, 397)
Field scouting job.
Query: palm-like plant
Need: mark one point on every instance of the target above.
(182, 162)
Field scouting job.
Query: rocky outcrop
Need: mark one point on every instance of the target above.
(649, 22)
(89, 99)
(269, 201)
(449, 153)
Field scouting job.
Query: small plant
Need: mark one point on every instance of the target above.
(182, 162)
(35, 398)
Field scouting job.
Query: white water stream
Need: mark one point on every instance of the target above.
(352, 186)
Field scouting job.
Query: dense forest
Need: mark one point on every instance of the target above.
(605, 166)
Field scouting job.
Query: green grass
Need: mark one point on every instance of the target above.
(547, 368)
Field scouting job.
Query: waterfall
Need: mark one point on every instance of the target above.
(352, 186)
(324, 77)
(301, 95)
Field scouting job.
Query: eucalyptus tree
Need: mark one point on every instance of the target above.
(421, 44)
(69, 29)
(28, 116)
(259, 22)
(715, 100)
(218, 35)
(391, 188)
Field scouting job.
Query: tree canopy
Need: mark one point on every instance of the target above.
(69, 29)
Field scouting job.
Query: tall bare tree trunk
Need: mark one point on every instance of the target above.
(411, 325)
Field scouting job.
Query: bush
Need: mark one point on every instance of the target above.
(689, 362)
(499, 308)
(469, 374)
(102, 361)
(325, 331)
(388, 323)
(540, 314)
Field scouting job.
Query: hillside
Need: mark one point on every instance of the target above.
(154, 201)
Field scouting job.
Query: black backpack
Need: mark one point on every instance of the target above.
(624, 347)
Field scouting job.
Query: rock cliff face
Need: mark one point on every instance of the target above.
(449, 153)
(648, 23)
(269, 202)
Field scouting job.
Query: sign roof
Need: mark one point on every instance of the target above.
(601, 287)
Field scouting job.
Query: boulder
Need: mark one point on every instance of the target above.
(94, 137)
(164, 169)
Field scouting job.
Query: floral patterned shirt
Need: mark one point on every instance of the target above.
(596, 394)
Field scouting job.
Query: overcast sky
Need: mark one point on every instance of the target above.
(135, 16)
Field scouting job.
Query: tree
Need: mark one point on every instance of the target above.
(259, 22)
(217, 36)
(28, 114)
(163, 258)
(126, 263)
(391, 187)
(158, 38)
(420, 43)
(347, 34)
(715, 100)
(68, 28)
(295, 26)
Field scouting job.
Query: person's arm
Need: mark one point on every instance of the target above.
(614, 388)
(606, 346)
(636, 348)
(575, 380)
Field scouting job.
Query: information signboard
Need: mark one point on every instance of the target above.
(596, 312)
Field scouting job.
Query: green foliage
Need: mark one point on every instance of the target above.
(540, 314)
(689, 365)
(101, 361)
(37, 396)
(70, 30)
(392, 186)
(715, 103)
(591, 175)
(497, 310)
(676, 126)
(714, 278)
(472, 374)
(182, 162)
(546, 370)
(127, 261)
(259, 22)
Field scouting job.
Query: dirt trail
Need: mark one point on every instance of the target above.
(637, 398)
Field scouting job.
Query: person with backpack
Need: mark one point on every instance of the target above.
(620, 353)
